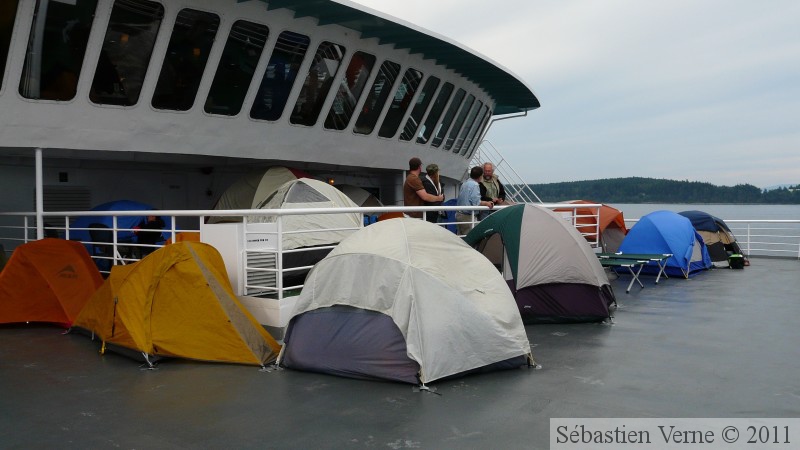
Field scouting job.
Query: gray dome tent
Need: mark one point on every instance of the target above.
(314, 233)
(404, 300)
(251, 189)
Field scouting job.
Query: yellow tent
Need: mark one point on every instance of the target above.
(177, 302)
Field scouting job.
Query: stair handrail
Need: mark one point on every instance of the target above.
(516, 189)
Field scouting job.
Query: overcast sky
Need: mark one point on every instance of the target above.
(700, 90)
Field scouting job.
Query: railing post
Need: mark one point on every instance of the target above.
(749, 238)
(114, 237)
(279, 259)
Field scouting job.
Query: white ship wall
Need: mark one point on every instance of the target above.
(62, 127)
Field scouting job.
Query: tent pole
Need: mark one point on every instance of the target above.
(39, 195)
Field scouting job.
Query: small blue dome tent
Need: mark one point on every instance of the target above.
(668, 232)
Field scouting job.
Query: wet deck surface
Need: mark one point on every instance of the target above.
(723, 344)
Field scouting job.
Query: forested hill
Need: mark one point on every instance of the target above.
(652, 190)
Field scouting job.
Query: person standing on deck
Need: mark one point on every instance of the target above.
(433, 187)
(414, 193)
(492, 189)
(470, 195)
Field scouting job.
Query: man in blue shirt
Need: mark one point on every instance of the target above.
(470, 195)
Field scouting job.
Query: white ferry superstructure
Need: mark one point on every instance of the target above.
(169, 102)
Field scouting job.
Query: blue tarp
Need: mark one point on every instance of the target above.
(668, 232)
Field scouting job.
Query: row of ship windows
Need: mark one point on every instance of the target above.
(60, 34)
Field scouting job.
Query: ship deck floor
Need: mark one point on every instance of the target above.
(722, 344)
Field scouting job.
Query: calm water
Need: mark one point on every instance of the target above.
(724, 212)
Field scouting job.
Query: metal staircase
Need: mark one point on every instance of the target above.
(516, 189)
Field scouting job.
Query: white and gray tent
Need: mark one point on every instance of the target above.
(310, 229)
(251, 189)
(359, 195)
(312, 236)
(404, 300)
(552, 270)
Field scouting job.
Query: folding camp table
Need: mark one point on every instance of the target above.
(629, 264)
(658, 258)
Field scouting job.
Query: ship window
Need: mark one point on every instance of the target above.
(187, 54)
(381, 88)
(235, 71)
(280, 75)
(423, 100)
(353, 83)
(317, 84)
(56, 48)
(436, 111)
(127, 48)
(444, 125)
(481, 129)
(8, 11)
(470, 128)
(402, 98)
(462, 116)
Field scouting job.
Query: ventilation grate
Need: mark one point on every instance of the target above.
(64, 198)
(260, 278)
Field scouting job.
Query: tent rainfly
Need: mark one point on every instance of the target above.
(49, 280)
(250, 190)
(314, 233)
(668, 232)
(177, 302)
(359, 195)
(608, 221)
(548, 264)
(717, 236)
(318, 229)
(404, 300)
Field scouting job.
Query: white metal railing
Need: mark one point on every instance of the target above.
(767, 237)
(19, 228)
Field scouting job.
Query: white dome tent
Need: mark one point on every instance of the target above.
(404, 300)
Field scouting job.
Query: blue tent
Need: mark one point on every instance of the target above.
(702, 220)
(668, 232)
(719, 239)
(128, 222)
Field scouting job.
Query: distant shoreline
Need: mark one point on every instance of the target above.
(653, 191)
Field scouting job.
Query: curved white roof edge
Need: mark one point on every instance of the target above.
(510, 92)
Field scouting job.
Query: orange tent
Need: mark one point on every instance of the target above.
(612, 224)
(47, 281)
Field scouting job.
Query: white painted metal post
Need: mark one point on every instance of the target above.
(279, 259)
(39, 196)
(749, 238)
